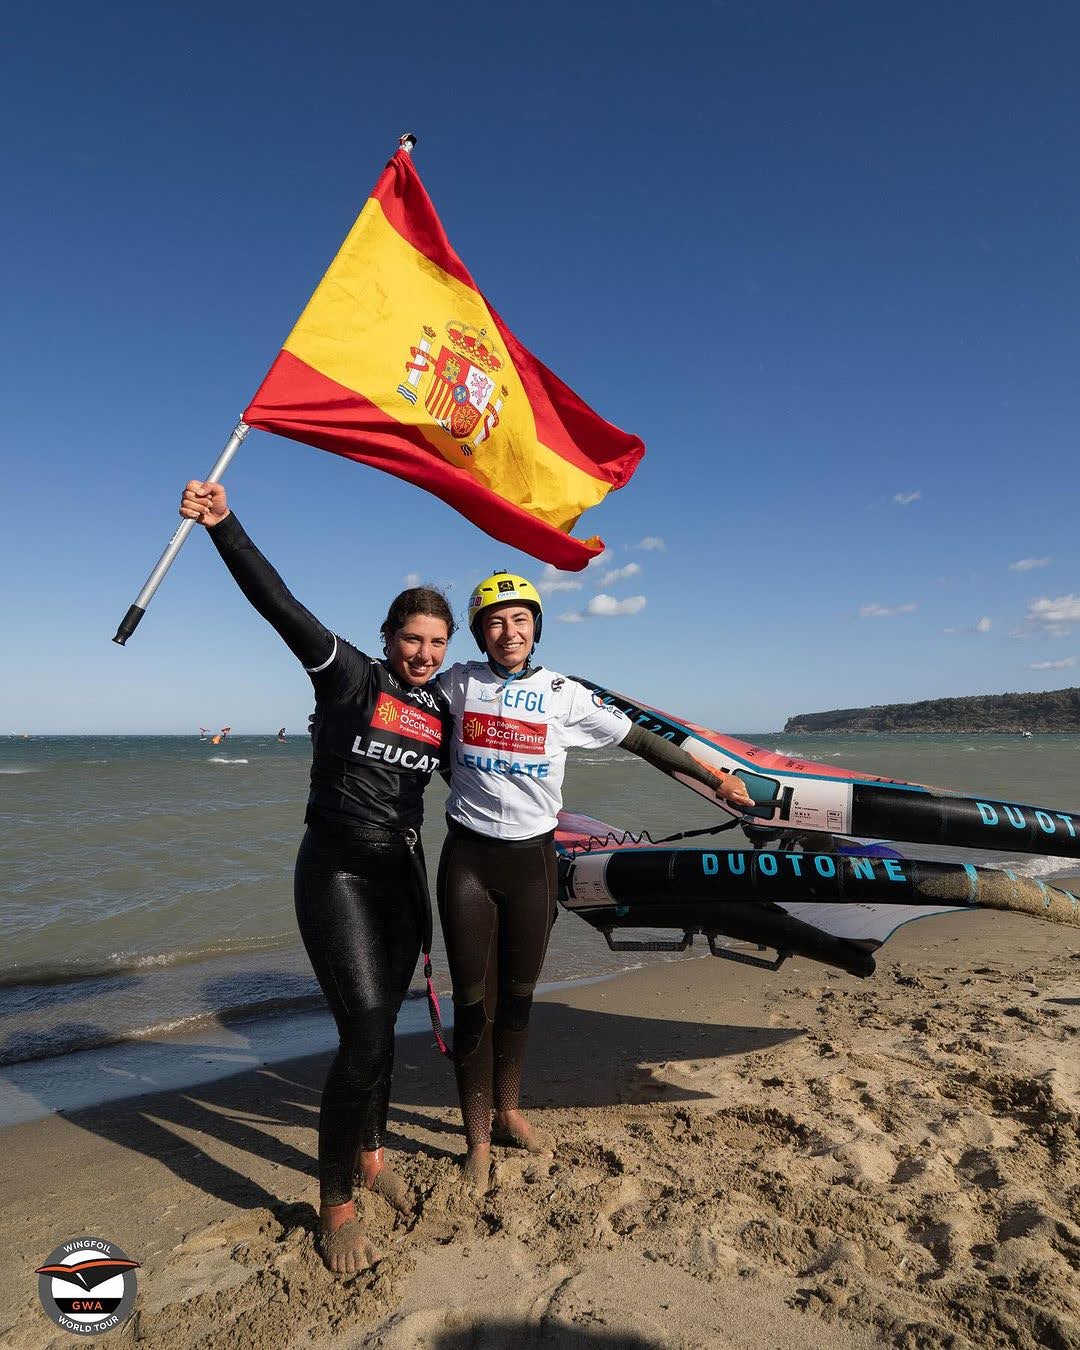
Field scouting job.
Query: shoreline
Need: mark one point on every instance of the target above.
(1021, 733)
(745, 1159)
(214, 1043)
(212, 1046)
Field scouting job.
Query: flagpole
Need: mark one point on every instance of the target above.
(135, 612)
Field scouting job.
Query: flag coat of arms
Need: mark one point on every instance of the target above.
(399, 362)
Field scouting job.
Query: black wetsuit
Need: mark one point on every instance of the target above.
(376, 743)
(497, 903)
(497, 895)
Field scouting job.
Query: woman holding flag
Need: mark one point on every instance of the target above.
(431, 386)
(378, 733)
(513, 724)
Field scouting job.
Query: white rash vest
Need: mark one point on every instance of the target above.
(509, 744)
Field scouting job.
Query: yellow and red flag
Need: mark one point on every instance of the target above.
(398, 361)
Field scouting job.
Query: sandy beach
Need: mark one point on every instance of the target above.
(745, 1159)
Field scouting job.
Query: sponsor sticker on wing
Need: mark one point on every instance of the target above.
(587, 888)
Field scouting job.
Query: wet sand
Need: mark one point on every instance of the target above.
(745, 1159)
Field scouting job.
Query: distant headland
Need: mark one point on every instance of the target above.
(1057, 710)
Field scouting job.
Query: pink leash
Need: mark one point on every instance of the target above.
(434, 1011)
(423, 896)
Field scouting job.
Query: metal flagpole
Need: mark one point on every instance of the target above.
(131, 619)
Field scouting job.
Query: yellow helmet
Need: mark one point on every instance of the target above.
(499, 589)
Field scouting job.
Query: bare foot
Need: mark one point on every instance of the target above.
(342, 1244)
(511, 1129)
(394, 1189)
(375, 1175)
(477, 1168)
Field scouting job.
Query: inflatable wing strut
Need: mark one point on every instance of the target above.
(831, 907)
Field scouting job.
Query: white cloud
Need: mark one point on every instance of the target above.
(651, 544)
(552, 580)
(1054, 617)
(603, 559)
(906, 498)
(606, 606)
(410, 579)
(1063, 664)
(1029, 564)
(876, 611)
(619, 574)
(983, 626)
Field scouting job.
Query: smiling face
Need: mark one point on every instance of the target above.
(508, 632)
(416, 650)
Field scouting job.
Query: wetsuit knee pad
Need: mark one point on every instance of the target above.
(470, 1023)
(365, 1050)
(513, 1011)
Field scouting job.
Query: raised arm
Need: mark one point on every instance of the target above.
(309, 641)
(661, 754)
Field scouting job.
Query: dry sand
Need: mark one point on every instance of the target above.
(745, 1159)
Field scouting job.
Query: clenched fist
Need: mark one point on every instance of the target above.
(204, 502)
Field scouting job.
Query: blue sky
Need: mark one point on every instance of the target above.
(822, 258)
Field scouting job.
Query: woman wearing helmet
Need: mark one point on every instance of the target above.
(377, 733)
(513, 724)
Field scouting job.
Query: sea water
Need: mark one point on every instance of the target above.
(147, 881)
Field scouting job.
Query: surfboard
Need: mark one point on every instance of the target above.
(799, 794)
(836, 908)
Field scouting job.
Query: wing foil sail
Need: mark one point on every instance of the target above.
(822, 798)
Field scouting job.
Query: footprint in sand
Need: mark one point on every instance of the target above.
(982, 1169)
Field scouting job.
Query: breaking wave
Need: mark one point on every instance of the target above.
(125, 963)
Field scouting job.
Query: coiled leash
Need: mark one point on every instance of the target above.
(423, 898)
(595, 843)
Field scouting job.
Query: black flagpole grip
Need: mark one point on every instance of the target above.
(128, 624)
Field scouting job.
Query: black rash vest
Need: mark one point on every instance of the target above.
(377, 740)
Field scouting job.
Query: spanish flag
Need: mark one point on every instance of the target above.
(399, 362)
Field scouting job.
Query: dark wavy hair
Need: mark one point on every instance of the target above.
(416, 600)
